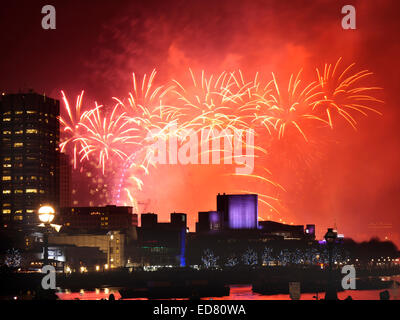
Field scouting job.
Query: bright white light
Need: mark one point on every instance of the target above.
(46, 214)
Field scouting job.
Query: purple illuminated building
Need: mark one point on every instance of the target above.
(239, 211)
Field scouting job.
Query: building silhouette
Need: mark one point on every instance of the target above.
(29, 129)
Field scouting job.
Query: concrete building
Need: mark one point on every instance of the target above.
(112, 244)
(89, 219)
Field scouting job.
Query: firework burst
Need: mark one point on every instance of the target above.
(72, 127)
(120, 142)
(107, 136)
(342, 95)
(211, 102)
(145, 107)
(279, 109)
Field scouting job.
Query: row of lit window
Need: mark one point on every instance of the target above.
(9, 120)
(9, 178)
(21, 112)
(29, 131)
(20, 165)
(28, 158)
(7, 113)
(19, 191)
(9, 172)
(8, 205)
(16, 217)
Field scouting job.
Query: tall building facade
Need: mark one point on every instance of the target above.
(29, 128)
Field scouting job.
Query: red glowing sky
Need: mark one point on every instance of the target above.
(353, 179)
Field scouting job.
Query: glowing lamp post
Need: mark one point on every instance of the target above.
(330, 238)
(46, 215)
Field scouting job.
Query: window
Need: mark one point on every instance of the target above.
(31, 112)
(33, 178)
(31, 190)
(6, 211)
(18, 112)
(31, 131)
(7, 165)
(18, 191)
(18, 218)
(6, 191)
(6, 119)
(18, 144)
(19, 132)
(6, 178)
(6, 132)
(29, 211)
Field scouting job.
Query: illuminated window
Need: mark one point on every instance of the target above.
(6, 119)
(6, 204)
(7, 159)
(7, 113)
(6, 211)
(18, 144)
(31, 190)
(31, 112)
(31, 131)
(33, 178)
(6, 191)
(18, 191)
(41, 191)
(29, 211)
(19, 132)
(18, 211)
(18, 112)
(6, 132)
(18, 218)
(6, 178)
(7, 165)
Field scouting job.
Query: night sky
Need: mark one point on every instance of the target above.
(351, 178)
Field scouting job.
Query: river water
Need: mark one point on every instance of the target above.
(241, 292)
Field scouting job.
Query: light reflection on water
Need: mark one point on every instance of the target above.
(237, 292)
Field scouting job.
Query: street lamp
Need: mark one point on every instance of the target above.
(46, 215)
(330, 238)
